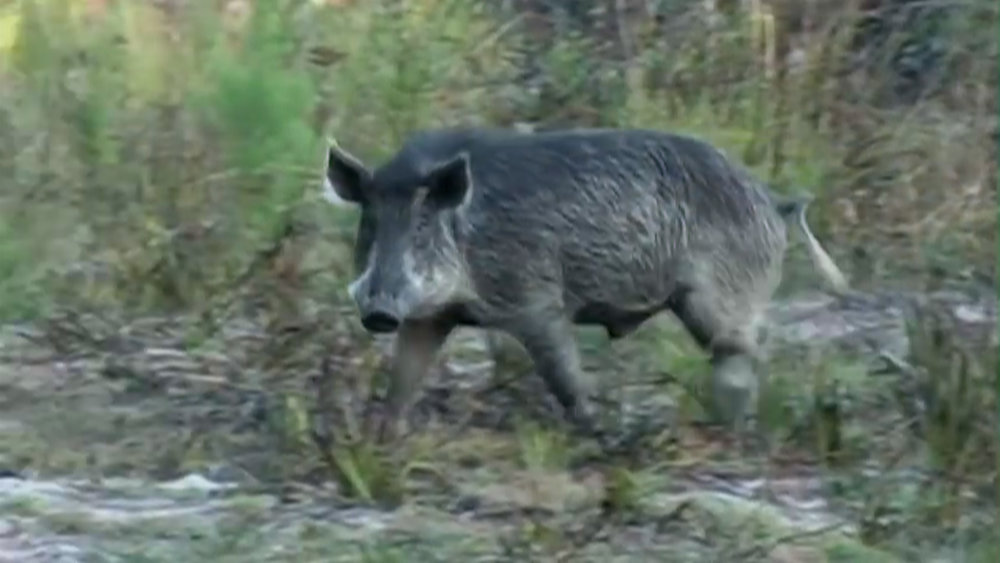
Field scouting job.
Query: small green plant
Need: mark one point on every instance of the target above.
(685, 368)
(813, 403)
(376, 552)
(949, 396)
(622, 491)
(363, 469)
(21, 296)
(541, 449)
(367, 474)
(958, 386)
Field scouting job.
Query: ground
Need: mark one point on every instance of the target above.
(156, 454)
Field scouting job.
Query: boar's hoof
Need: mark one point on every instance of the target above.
(734, 390)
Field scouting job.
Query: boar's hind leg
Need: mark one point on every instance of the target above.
(548, 339)
(730, 335)
(416, 347)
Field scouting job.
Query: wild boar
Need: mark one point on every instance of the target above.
(532, 233)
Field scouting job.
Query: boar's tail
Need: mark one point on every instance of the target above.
(794, 211)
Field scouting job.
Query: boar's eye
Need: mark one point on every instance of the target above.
(450, 183)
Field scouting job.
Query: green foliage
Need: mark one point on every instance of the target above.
(957, 384)
(182, 142)
(542, 449)
(380, 553)
(22, 297)
(813, 402)
(408, 66)
(366, 473)
(623, 491)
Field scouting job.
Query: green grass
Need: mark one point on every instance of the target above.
(186, 143)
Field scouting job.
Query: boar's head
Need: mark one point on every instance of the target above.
(407, 255)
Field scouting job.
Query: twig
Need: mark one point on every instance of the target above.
(894, 365)
(585, 537)
(207, 379)
(501, 383)
(675, 514)
(496, 35)
(623, 33)
(760, 550)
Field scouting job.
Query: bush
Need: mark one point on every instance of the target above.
(174, 142)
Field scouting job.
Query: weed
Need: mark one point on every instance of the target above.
(541, 450)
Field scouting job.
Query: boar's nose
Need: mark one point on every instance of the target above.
(379, 321)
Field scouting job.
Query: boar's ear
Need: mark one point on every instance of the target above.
(346, 177)
(450, 182)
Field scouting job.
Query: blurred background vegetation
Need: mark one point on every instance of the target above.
(164, 157)
(151, 149)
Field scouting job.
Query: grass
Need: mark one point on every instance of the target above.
(161, 171)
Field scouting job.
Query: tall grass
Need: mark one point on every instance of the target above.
(150, 150)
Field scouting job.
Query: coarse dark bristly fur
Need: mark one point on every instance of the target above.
(532, 233)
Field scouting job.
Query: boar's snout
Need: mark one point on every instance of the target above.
(379, 321)
(380, 311)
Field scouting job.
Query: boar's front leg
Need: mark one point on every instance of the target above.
(549, 340)
(416, 347)
(730, 330)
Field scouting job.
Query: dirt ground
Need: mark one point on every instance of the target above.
(155, 452)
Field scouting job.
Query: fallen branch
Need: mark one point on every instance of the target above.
(762, 550)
